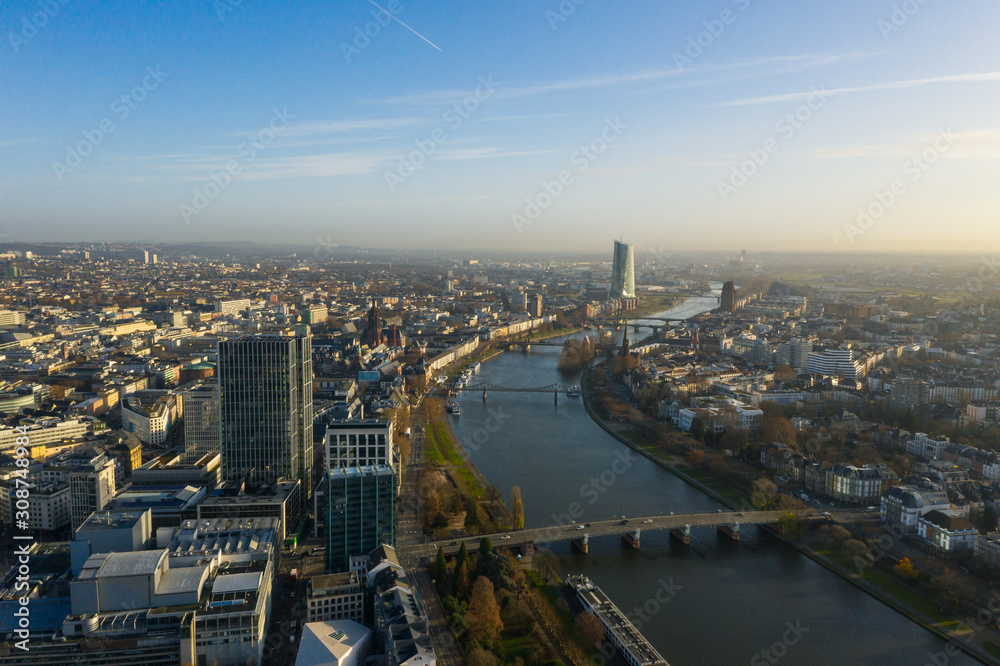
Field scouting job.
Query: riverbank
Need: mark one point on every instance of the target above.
(733, 499)
(653, 303)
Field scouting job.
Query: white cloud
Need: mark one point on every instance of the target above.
(984, 77)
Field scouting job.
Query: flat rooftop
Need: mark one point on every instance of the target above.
(112, 520)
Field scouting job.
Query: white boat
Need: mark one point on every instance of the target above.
(456, 409)
(573, 392)
(475, 366)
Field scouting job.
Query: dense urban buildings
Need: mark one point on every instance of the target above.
(310, 363)
(175, 424)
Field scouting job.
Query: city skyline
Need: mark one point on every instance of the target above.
(866, 126)
(502, 334)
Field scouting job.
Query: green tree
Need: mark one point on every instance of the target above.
(485, 546)
(462, 557)
(440, 568)
(790, 524)
(462, 580)
(472, 518)
(517, 507)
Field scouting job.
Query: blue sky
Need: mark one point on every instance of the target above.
(592, 121)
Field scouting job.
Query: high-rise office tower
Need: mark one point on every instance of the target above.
(521, 301)
(360, 512)
(201, 421)
(145, 256)
(536, 305)
(623, 272)
(266, 409)
(728, 300)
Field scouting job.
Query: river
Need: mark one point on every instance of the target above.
(727, 602)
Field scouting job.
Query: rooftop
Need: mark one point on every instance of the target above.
(113, 565)
(329, 643)
(112, 520)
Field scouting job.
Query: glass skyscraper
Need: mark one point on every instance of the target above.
(360, 512)
(266, 410)
(623, 272)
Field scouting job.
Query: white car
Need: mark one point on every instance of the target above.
(648, 520)
(579, 527)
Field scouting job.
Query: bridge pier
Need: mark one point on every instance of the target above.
(582, 545)
(632, 540)
(484, 395)
(684, 536)
(555, 397)
(731, 531)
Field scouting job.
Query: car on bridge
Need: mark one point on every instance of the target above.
(580, 527)
(648, 520)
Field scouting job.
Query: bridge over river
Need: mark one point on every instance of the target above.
(680, 525)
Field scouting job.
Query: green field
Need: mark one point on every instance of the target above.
(896, 589)
(442, 452)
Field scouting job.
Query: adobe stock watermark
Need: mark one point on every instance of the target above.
(121, 108)
(591, 491)
(455, 116)
(324, 248)
(714, 28)
(363, 35)
(223, 7)
(913, 170)
(481, 435)
(901, 15)
(31, 26)
(985, 618)
(657, 255)
(246, 153)
(639, 617)
(580, 160)
(987, 268)
(603, 482)
(562, 12)
(382, 17)
(786, 128)
(666, 590)
(773, 654)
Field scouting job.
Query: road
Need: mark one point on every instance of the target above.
(554, 533)
(410, 538)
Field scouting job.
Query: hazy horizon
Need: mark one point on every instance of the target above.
(228, 121)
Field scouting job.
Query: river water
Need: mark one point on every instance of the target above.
(719, 602)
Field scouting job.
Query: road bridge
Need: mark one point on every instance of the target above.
(631, 528)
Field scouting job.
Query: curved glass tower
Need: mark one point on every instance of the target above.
(623, 272)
